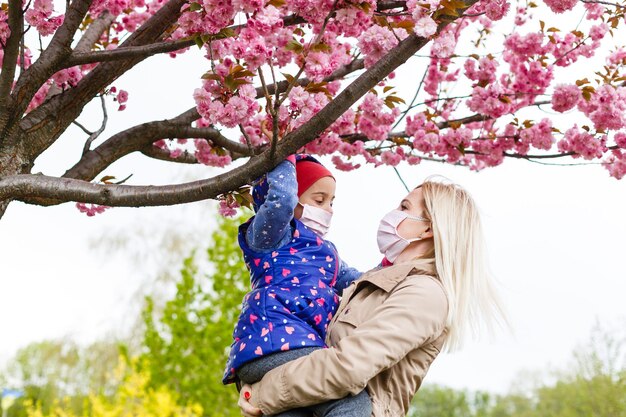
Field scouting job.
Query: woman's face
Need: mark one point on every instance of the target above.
(413, 204)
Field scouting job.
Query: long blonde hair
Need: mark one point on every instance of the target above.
(460, 261)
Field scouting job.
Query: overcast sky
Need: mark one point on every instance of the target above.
(555, 237)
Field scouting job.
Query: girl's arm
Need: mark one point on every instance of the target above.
(270, 228)
(414, 314)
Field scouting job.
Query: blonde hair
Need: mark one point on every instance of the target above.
(460, 261)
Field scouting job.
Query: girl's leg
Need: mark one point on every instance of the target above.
(359, 405)
(253, 371)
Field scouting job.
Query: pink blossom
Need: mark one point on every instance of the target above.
(425, 27)
(266, 21)
(521, 15)
(413, 160)
(352, 21)
(5, 31)
(228, 208)
(343, 165)
(606, 107)
(581, 143)
(122, 98)
(539, 136)
(565, 97)
(206, 155)
(353, 149)
(597, 32)
(486, 72)
(319, 65)
(618, 57)
(40, 97)
(594, 10)
(496, 9)
(390, 158)
(375, 43)
(91, 209)
(524, 46)
(443, 46)
(248, 6)
(326, 143)
(374, 122)
(489, 101)
(620, 139)
(40, 16)
(560, 6)
(175, 153)
(616, 164)
(236, 111)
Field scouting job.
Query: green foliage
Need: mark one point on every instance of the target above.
(186, 346)
(595, 387)
(132, 398)
(53, 369)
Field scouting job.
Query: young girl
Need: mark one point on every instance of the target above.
(296, 278)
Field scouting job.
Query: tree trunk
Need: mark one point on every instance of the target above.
(12, 162)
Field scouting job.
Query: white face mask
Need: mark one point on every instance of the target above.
(390, 243)
(316, 219)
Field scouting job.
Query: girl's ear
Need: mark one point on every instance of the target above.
(428, 233)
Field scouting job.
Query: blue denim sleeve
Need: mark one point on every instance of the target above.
(270, 228)
(346, 276)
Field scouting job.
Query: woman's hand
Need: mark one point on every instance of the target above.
(245, 404)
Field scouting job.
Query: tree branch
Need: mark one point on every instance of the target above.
(164, 155)
(9, 61)
(23, 186)
(144, 51)
(137, 139)
(55, 115)
(93, 136)
(41, 70)
(93, 33)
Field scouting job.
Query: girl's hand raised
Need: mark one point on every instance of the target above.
(245, 402)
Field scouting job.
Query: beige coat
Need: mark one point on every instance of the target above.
(388, 329)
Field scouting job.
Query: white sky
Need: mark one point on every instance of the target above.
(555, 236)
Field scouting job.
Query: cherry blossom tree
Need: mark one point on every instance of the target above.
(314, 75)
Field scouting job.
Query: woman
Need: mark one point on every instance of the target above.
(392, 323)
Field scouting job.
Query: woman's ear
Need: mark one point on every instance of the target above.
(427, 234)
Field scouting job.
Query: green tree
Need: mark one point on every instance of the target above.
(439, 401)
(52, 369)
(186, 346)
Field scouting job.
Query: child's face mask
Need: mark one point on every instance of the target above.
(390, 243)
(316, 219)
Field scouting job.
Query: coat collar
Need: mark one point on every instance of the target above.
(387, 278)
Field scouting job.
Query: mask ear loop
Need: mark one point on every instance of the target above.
(416, 218)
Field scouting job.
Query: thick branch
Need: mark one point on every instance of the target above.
(144, 51)
(33, 78)
(9, 61)
(24, 186)
(93, 33)
(137, 139)
(55, 115)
